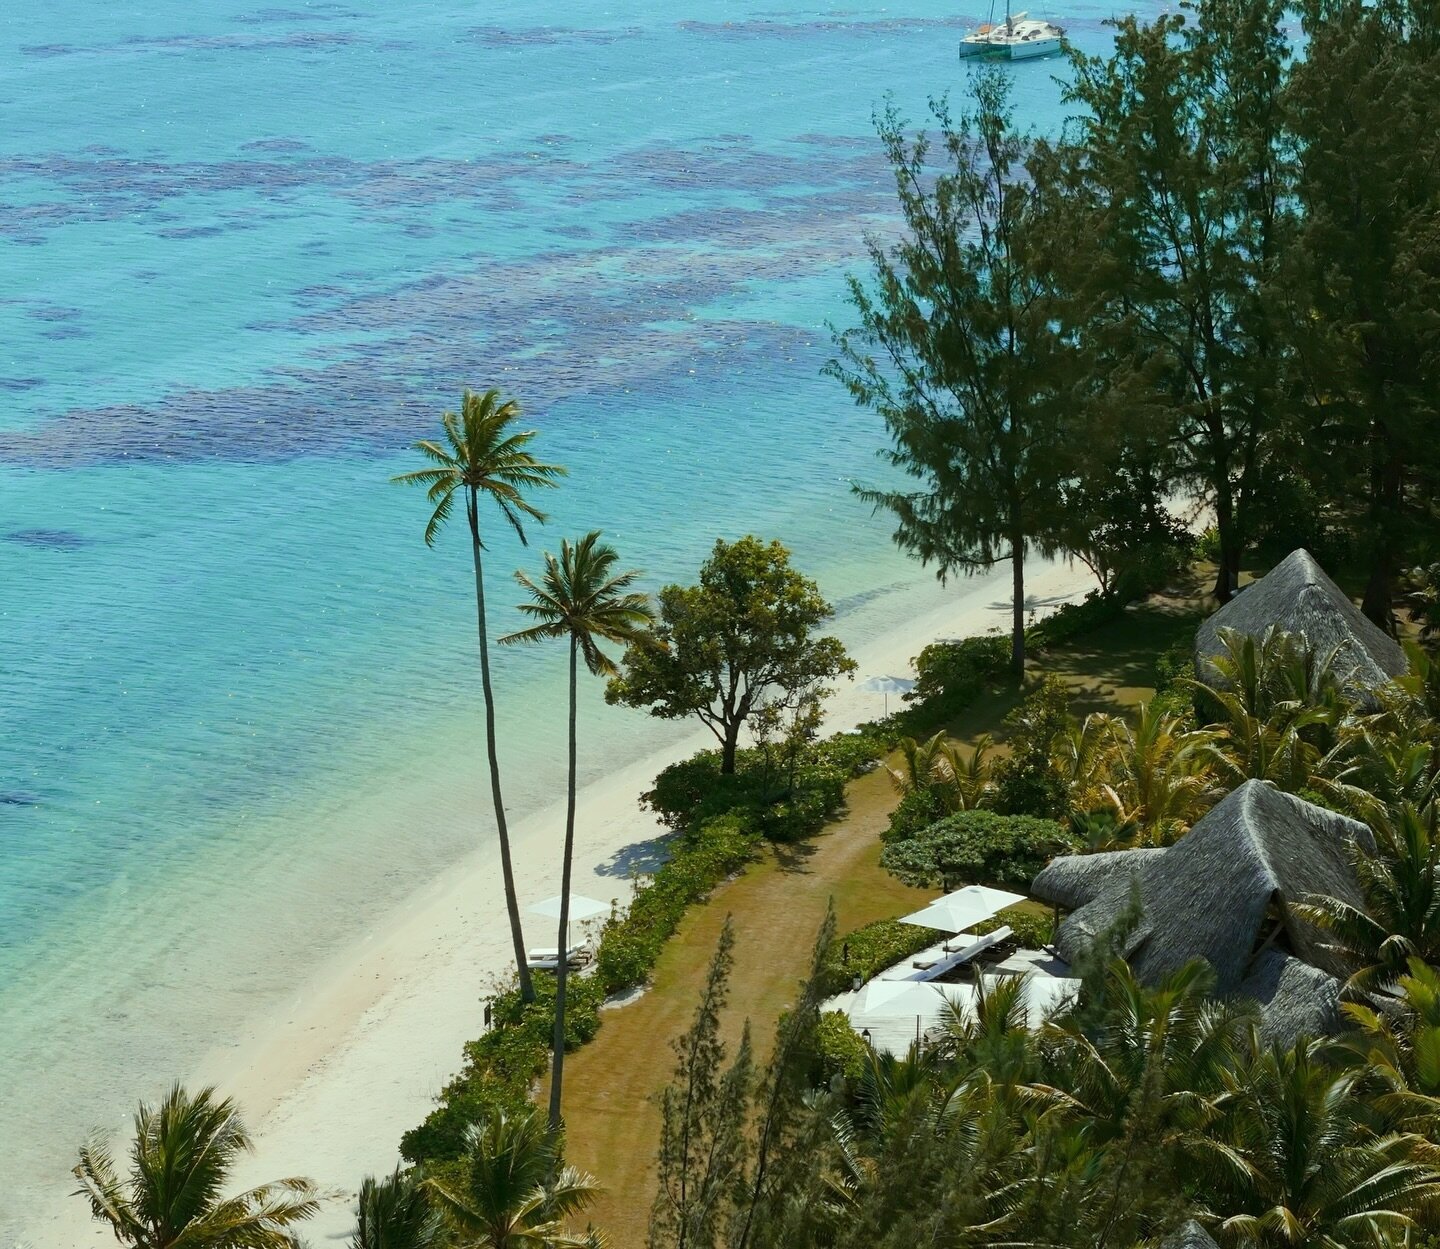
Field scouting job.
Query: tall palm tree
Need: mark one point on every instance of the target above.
(183, 1152)
(483, 454)
(582, 598)
(396, 1212)
(513, 1197)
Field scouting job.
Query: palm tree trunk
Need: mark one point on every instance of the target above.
(507, 871)
(557, 1066)
(1017, 606)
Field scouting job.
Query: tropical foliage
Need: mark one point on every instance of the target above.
(173, 1197)
(727, 646)
(516, 1193)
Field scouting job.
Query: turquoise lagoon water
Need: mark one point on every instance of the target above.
(247, 253)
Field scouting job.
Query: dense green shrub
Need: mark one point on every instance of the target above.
(501, 1067)
(700, 860)
(950, 675)
(1070, 620)
(784, 802)
(840, 1051)
(914, 813)
(1174, 669)
(869, 950)
(695, 789)
(1026, 782)
(977, 848)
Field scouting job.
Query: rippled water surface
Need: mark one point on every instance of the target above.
(247, 253)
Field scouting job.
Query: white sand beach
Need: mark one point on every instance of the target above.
(329, 1084)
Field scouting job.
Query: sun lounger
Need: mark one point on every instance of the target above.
(547, 958)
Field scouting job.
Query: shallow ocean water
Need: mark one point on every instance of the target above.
(247, 254)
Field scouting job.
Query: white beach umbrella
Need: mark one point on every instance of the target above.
(887, 686)
(581, 909)
(924, 1001)
(925, 998)
(957, 911)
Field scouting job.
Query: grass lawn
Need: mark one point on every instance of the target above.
(612, 1084)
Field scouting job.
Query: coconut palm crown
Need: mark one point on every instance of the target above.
(483, 454)
(580, 598)
(182, 1155)
(514, 1194)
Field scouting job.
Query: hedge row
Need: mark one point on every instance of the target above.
(868, 950)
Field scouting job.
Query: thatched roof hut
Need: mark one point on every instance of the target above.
(1223, 893)
(1189, 1236)
(1297, 597)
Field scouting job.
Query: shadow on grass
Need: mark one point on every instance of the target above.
(793, 856)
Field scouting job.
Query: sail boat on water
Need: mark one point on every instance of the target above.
(1019, 37)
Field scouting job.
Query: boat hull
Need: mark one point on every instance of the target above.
(1032, 48)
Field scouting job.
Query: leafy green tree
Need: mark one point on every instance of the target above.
(725, 645)
(1364, 274)
(1142, 1067)
(703, 1115)
(483, 454)
(1397, 1051)
(582, 599)
(515, 1194)
(1153, 778)
(1175, 190)
(182, 1155)
(395, 1212)
(1026, 780)
(960, 351)
(1276, 705)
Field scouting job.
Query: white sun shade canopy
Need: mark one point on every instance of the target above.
(581, 908)
(895, 998)
(957, 911)
(887, 685)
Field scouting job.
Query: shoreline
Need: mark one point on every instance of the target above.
(329, 1081)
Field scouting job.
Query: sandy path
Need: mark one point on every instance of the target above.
(331, 1082)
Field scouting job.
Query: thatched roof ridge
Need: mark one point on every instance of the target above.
(1296, 596)
(1074, 879)
(1189, 1236)
(1222, 892)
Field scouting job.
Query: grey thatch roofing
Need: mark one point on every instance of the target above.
(1297, 597)
(1296, 1000)
(1189, 1236)
(1073, 879)
(1218, 894)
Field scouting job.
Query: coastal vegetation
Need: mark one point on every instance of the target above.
(736, 647)
(183, 1152)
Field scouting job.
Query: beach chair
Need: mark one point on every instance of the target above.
(547, 958)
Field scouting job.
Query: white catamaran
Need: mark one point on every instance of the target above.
(1018, 37)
